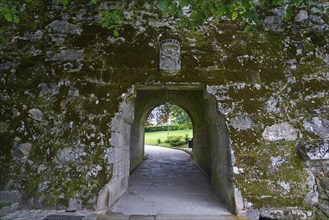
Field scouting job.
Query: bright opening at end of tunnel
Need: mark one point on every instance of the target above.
(169, 125)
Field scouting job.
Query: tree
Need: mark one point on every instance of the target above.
(166, 113)
(160, 115)
(180, 117)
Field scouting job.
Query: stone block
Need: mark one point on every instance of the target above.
(318, 126)
(286, 214)
(117, 140)
(21, 150)
(120, 169)
(301, 16)
(238, 199)
(36, 114)
(124, 168)
(74, 204)
(4, 211)
(127, 110)
(10, 196)
(110, 155)
(241, 122)
(116, 123)
(252, 214)
(67, 55)
(64, 27)
(318, 151)
(282, 131)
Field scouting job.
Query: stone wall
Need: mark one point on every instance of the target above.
(63, 78)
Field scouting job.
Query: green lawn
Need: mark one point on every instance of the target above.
(152, 138)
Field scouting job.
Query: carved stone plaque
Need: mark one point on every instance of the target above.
(170, 55)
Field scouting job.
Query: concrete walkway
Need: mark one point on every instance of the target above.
(168, 183)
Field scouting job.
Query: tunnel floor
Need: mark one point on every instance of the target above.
(168, 182)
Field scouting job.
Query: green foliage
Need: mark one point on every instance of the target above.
(175, 140)
(4, 204)
(180, 118)
(110, 19)
(8, 11)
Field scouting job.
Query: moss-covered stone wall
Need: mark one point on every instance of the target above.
(62, 78)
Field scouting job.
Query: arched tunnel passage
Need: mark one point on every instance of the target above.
(211, 144)
(191, 102)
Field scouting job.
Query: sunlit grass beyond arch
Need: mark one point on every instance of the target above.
(169, 126)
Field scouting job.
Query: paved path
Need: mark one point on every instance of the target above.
(41, 214)
(168, 182)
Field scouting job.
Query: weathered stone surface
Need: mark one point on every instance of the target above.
(286, 214)
(36, 114)
(51, 88)
(3, 127)
(21, 150)
(253, 214)
(285, 187)
(64, 27)
(274, 23)
(277, 161)
(318, 151)
(317, 19)
(317, 125)
(238, 199)
(74, 204)
(38, 35)
(272, 105)
(10, 196)
(67, 55)
(68, 155)
(278, 75)
(313, 196)
(242, 122)
(8, 209)
(301, 16)
(282, 131)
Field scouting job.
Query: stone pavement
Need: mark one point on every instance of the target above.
(168, 185)
(41, 214)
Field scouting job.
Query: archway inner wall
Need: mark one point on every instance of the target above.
(192, 102)
(211, 146)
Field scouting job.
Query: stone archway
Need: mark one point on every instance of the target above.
(211, 145)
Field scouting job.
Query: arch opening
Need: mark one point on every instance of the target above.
(211, 145)
(168, 125)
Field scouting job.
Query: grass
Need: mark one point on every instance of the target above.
(151, 138)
